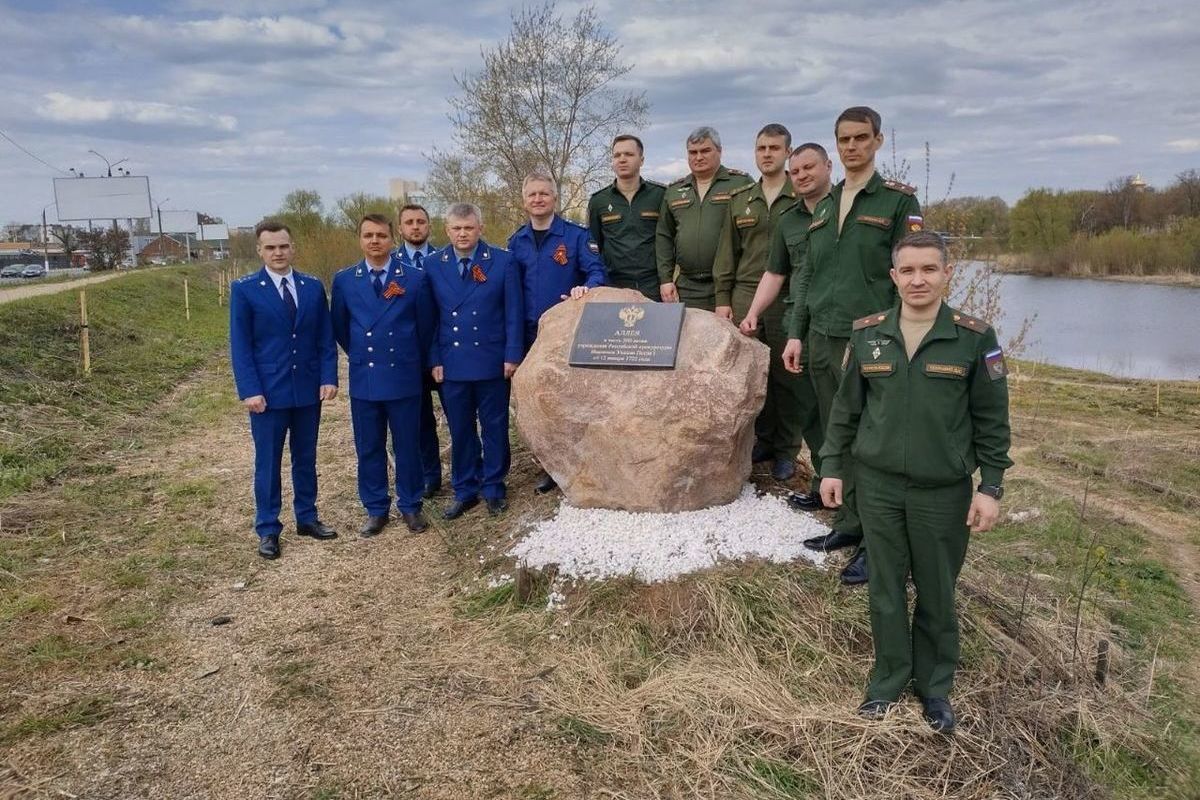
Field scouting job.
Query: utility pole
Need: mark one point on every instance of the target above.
(160, 232)
(110, 165)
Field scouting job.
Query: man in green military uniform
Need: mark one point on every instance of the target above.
(810, 172)
(844, 276)
(753, 213)
(623, 217)
(690, 220)
(924, 402)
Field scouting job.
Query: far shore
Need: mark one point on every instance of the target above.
(1016, 264)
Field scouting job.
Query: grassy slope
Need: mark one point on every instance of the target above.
(736, 683)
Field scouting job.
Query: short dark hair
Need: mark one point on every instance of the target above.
(775, 129)
(816, 148)
(860, 114)
(924, 239)
(270, 226)
(628, 137)
(378, 219)
(413, 207)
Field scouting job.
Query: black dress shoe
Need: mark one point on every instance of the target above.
(459, 507)
(431, 489)
(497, 505)
(761, 453)
(855, 573)
(268, 546)
(546, 483)
(373, 526)
(874, 709)
(415, 521)
(939, 714)
(316, 529)
(805, 501)
(834, 540)
(784, 469)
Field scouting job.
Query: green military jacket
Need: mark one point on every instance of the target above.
(625, 231)
(931, 420)
(845, 276)
(689, 229)
(788, 245)
(745, 241)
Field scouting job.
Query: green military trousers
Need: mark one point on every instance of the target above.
(646, 284)
(922, 531)
(825, 358)
(696, 292)
(789, 416)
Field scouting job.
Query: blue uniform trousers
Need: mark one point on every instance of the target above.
(371, 420)
(431, 450)
(474, 473)
(300, 426)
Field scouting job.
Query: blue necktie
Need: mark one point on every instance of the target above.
(462, 268)
(289, 302)
(418, 257)
(377, 281)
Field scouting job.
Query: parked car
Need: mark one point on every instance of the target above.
(33, 271)
(12, 271)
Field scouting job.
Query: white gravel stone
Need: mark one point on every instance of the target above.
(596, 543)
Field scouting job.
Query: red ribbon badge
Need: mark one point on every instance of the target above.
(393, 290)
(477, 274)
(560, 254)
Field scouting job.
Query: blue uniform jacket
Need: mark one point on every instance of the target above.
(481, 323)
(287, 365)
(386, 339)
(567, 258)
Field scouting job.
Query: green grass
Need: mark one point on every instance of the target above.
(52, 416)
(779, 780)
(84, 711)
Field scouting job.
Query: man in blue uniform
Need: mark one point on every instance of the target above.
(557, 259)
(478, 344)
(383, 319)
(284, 364)
(413, 250)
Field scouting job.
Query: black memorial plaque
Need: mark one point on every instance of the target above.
(638, 335)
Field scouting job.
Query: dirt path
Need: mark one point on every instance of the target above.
(345, 667)
(37, 289)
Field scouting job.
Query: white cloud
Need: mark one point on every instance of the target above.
(60, 107)
(1184, 145)
(1085, 140)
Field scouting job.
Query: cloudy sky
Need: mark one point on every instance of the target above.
(229, 105)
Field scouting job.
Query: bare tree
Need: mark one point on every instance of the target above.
(546, 97)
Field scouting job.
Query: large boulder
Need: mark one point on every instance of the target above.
(643, 439)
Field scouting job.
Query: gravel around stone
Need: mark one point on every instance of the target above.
(596, 543)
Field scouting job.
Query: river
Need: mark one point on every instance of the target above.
(1131, 330)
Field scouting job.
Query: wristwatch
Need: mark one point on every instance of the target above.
(991, 490)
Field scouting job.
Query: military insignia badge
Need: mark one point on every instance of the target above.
(916, 223)
(477, 274)
(875, 353)
(994, 361)
(393, 290)
(593, 247)
(560, 255)
(609, 207)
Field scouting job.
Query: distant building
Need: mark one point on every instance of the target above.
(403, 190)
(158, 249)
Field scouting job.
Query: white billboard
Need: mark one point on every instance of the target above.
(125, 197)
(178, 222)
(214, 233)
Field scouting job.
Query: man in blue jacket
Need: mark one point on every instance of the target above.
(383, 318)
(284, 365)
(414, 248)
(479, 342)
(558, 259)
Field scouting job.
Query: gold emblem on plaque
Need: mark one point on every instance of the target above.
(630, 315)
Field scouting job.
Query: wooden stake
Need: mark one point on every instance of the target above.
(83, 334)
(1157, 398)
(187, 306)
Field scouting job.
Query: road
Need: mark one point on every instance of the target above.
(25, 290)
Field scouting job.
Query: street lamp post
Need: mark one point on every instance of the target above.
(158, 208)
(110, 165)
(46, 239)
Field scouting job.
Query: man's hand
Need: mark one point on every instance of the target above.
(791, 355)
(576, 293)
(831, 492)
(256, 404)
(509, 369)
(327, 392)
(749, 324)
(668, 292)
(984, 512)
(725, 312)
(438, 373)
